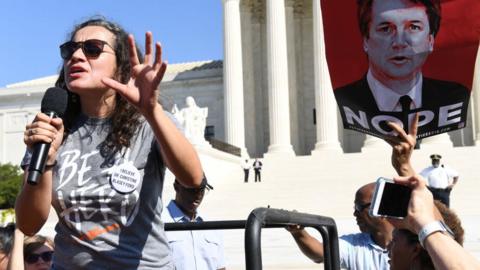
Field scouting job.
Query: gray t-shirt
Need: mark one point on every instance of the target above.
(109, 208)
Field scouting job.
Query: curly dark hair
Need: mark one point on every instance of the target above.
(433, 9)
(125, 119)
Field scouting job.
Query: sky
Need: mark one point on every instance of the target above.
(32, 30)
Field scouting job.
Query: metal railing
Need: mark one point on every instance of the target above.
(271, 218)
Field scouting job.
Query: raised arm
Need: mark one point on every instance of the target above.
(309, 245)
(444, 251)
(142, 92)
(32, 206)
(16, 255)
(402, 147)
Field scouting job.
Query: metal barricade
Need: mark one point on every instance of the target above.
(271, 218)
(266, 217)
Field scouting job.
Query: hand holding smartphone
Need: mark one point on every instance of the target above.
(390, 199)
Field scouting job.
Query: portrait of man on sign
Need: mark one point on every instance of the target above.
(397, 37)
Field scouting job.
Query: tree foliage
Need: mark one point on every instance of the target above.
(10, 184)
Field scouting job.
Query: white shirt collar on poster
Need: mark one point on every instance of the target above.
(388, 100)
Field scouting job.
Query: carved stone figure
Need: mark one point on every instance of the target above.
(193, 119)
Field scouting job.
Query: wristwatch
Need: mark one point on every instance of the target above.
(435, 226)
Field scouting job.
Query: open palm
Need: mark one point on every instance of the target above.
(141, 89)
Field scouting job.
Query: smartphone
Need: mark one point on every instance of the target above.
(390, 199)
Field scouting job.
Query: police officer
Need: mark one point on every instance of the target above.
(440, 179)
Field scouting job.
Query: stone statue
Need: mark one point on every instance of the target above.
(193, 119)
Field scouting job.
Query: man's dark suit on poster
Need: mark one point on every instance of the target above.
(435, 94)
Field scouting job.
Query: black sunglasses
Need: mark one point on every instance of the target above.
(92, 48)
(361, 207)
(195, 190)
(205, 187)
(33, 258)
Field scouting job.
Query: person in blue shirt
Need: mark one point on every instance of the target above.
(198, 249)
(357, 251)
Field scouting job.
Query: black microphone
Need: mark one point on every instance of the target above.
(54, 104)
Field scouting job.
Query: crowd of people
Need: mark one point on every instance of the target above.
(415, 242)
(105, 169)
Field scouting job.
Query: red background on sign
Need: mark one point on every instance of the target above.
(454, 53)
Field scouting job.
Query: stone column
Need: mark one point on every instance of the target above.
(248, 78)
(434, 142)
(475, 95)
(277, 65)
(292, 73)
(233, 75)
(374, 143)
(326, 107)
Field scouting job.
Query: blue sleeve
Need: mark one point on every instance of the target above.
(221, 253)
(343, 251)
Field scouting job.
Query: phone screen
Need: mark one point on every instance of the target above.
(394, 201)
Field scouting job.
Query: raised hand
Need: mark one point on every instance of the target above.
(141, 90)
(402, 147)
(294, 228)
(421, 209)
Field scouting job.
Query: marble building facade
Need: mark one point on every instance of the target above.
(270, 95)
